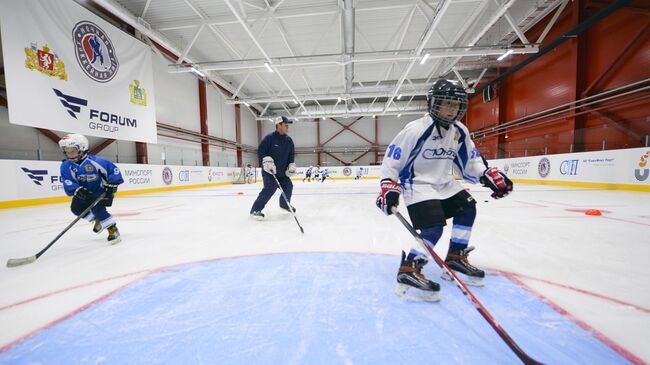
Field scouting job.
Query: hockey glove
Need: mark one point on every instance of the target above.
(268, 165)
(110, 190)
(82, 193)
(497, 181)
(291, 169)
(388, 196)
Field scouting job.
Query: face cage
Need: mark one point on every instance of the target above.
(435, 107)
(80, 154)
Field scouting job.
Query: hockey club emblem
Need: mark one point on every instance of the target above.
(45, 61)
(95, 52)
(35, 175)
(544, 167)
(506, 168)
(347, 171)
(167, 175)
(138, 94)
(88, 168)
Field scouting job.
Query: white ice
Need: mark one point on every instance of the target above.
(591, 267)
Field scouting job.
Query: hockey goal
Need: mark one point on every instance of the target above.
(246, 177)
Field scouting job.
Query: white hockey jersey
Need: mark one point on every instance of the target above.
(421, 157)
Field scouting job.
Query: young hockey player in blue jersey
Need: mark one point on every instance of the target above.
(417, 166)
(324, 175)
(85, 177)
(308, 174)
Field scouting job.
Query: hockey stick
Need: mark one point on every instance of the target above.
(30, 259)
(479, 307)
(288, 203)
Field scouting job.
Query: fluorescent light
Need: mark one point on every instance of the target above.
(505, 55)
(399, 115)
(338, 99)
(399, 96)
(268, 67)
(245, 103)
(199, 73)
(374, 115)
(424, 59)
(295, 101)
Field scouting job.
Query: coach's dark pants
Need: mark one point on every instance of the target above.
(269, 189)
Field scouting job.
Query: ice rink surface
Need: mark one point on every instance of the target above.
(195, 280)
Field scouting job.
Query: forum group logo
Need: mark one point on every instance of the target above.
(544, 167)
(95, 52)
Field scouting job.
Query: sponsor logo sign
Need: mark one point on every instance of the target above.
(347, 171)
(99, 119)
(167, 175)
(569, 167)
(438, 154)
(137, 176)
(642, 173)
(544, 167)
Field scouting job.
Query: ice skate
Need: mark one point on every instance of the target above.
(114, 235)
(410, 277)
(257, 215)
(469, 274)
(97, 227)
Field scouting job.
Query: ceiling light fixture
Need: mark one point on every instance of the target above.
(505, 55)
(424, 59)
(268, 67)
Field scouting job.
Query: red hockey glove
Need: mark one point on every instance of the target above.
(497, 181)
(388, 196)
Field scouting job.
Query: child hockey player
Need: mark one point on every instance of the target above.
(417, 165)
(85, 177)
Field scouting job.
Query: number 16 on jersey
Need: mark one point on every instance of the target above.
(394, 152)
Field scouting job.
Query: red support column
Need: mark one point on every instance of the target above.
(240, 160)
(376, 146)
(203, 116)
(141, 153)
(318, 145)
(578, 62)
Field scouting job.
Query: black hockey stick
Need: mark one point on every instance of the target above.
(479, 307)
(288, 203)
(30, 259)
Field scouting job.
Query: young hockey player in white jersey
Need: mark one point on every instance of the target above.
(315, 173)
(249, 174)
(359, 173)
(418, 163)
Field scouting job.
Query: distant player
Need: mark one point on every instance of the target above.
(418, 163)
(85, 177)
(250, 174)
(276, 153)
(359, 173)
(316, 173)
(324, 175)
(308, 174)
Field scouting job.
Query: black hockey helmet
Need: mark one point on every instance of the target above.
(444, 90)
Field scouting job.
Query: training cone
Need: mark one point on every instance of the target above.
(240, 193)
(593, 212)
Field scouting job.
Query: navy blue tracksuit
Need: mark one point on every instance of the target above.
(281, 149)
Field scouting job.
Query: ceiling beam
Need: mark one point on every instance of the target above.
(329, 60)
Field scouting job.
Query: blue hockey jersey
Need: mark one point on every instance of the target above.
(92, 173)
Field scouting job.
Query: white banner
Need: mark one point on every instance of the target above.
(69, 70)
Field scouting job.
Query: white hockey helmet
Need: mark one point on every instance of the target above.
(78, 141)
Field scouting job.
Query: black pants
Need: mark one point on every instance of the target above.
(269, 189)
